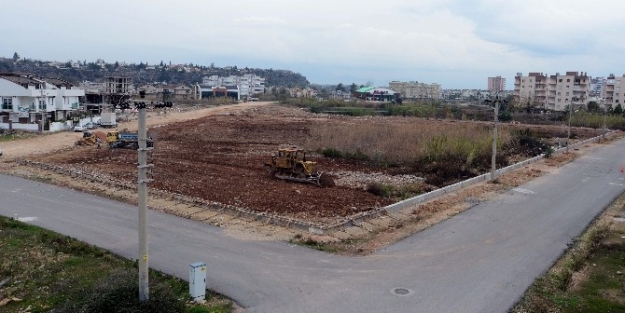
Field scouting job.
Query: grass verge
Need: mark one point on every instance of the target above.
(42, 271)
(589, 277)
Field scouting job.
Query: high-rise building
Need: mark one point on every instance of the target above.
(554, 92)
(496, 84)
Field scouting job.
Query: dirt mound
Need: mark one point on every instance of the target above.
(327, 181)
(100, 135)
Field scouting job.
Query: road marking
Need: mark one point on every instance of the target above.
(27, 219)
(615, 184)
(521, 190)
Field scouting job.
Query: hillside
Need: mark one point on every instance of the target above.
(143, 73)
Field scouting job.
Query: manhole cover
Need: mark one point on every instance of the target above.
(401, 291)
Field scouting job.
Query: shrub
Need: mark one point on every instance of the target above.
(381, 190)
(120, 293)
(331, 153)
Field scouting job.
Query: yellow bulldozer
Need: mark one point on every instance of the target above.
(125, 140)
(291, 164)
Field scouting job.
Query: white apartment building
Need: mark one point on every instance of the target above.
(496, 84)
(248, 84)
(554, 92)
(416, 90)
(27, 100)
(613, 91)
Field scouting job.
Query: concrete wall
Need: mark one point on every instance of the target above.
(29, 127)
(469, 182)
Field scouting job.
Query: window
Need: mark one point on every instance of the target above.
(559, 93)
(568, 80)
(7, 103)
(567, 93)
(560, 80)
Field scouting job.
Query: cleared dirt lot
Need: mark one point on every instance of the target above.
(221, 158)
(217, 155)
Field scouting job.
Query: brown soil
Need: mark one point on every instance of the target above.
(218, 154)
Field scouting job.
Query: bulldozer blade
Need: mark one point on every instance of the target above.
(308, 180)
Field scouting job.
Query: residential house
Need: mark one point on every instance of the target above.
(31, 103)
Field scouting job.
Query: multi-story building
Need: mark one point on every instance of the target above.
(416, 90)
(613, 91)
(554, 92)
(531, 89)
(247, 84)
(26, 100)
(496, 84)
(573, 89)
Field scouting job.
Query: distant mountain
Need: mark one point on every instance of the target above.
(188, 74)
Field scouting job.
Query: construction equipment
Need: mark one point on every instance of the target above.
(290, 164)
(88, 139)
(125, 140)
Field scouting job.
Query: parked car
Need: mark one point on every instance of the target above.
(80, 128)
(90, 125)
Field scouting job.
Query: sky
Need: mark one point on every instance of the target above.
(454, 43)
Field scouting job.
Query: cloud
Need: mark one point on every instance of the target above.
(453, 42)
(260, 20)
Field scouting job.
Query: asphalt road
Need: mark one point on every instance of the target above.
(481, 260)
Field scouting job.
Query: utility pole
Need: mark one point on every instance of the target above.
(44, 110)
(568, 135)
(605, 130)
(144, 291)
(493, 166)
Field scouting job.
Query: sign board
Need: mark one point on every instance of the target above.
(23, 111)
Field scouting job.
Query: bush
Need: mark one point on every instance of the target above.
(331, 153)
(381, 190)
(120, 293)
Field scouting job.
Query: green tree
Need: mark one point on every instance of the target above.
(16, 56)
(593, 106)
(618, 110)
(340, 87)
(353, 88)
(116, 64)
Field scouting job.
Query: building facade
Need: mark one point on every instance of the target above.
(613, 90)
(28, 100)
(416, 90)
(496, 84)
(247, 85)
(552, 92)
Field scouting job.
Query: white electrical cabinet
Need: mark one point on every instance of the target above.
(197, 281)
